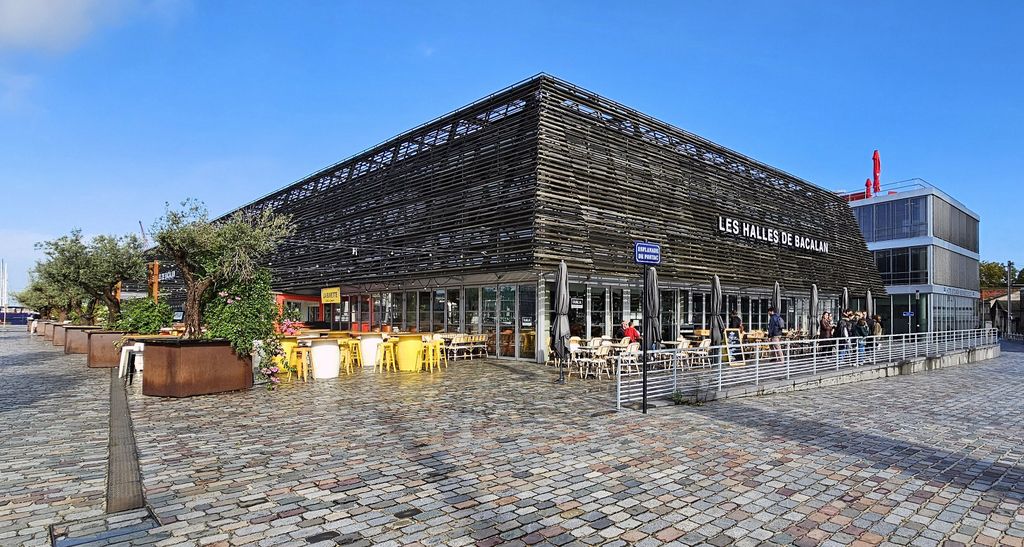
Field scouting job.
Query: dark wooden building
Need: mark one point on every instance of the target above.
(458, 225)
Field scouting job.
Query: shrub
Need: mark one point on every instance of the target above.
(143, 316)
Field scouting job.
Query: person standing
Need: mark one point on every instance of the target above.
(775, 327)
(825, 327)
(861, 331)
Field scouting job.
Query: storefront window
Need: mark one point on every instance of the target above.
(409, 319)
(473, 310)
(577, 305)
(454, 323)
(617, 308)
(597, 309)
(527, 321)
(489, 299)
(669, 330)
(424, 311)
(438, 311)
(506, 319)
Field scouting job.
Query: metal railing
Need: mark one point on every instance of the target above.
(696, 371)
(1013, 337)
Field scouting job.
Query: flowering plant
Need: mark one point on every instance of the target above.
(246, 315)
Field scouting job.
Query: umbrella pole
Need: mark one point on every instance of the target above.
(643, 341)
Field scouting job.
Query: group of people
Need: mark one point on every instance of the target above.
(628, 330)
(851, 326)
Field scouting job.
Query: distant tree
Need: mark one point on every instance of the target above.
(60, 274)
(112, 260)
(211, 255)
(39, 296)
(993, 274)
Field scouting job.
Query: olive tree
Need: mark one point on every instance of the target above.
(90, 271)
(210, 254)
(112, 260)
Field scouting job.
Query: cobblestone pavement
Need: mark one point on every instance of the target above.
(492, 453)
(54, 416)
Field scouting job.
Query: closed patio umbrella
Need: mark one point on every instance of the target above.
(717, 325)
(870, 306)
(777, 298)
(813, 324)
(652, 322)
(560, 327)
(844, 302)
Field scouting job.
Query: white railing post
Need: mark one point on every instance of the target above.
(719, 371)
(786, 356)
(757, 366)
(838, 351)
(618, 386)
(814, 358)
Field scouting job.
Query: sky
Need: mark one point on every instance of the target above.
(111, 108)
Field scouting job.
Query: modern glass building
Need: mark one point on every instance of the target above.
(459, 224)
(925, 246)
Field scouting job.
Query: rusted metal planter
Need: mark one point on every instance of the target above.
(102, 352)
(59, 332)
(185, 368)
(48, 330)
(76, 339)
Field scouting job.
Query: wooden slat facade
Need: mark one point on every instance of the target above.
(544, 171)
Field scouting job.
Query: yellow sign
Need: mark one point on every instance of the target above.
(330, 295)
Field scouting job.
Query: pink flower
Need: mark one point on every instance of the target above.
(265, 371)
(275, 380)
(222, 294)
(274, 369)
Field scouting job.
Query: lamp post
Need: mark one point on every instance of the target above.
(1009, 289)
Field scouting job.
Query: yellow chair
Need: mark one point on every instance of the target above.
(345, 357)
(299, 358)
(429, 353)
(441, 352)
(386, 357)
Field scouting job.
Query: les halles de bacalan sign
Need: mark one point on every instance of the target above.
(775, 236)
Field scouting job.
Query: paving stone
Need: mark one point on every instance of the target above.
(486, 452)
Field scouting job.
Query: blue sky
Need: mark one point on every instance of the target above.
(109, 108)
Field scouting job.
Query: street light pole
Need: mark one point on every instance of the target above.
(1009, 291)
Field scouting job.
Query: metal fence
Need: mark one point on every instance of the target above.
(698, 372)
(1013, 337)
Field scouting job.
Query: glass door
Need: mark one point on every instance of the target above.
(507, 321)
(527, 321)
(489, 316)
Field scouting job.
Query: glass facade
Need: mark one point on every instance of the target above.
(903, 266)
(896, 219)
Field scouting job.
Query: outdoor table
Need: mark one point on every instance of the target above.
(369, 343)
(408, 350)
(326, 358)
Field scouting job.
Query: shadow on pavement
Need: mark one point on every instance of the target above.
(930, 464)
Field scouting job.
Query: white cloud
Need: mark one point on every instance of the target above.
(52, 25)
(59, 25)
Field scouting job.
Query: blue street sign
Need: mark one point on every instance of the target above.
(908, 314)
(647, 253)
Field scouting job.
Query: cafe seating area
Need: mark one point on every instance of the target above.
(601, 357)
(322, 353)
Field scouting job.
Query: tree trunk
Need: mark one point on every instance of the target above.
(89, 315)
(194, 292)
(113, 308)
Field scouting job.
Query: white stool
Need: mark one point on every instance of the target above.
(136, 349)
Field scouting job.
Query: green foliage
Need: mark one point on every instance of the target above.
(243, 312)
(143, 316)
(75, 271)
(993, 274)
(213, 255)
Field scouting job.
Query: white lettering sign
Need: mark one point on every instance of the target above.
(773, 236)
